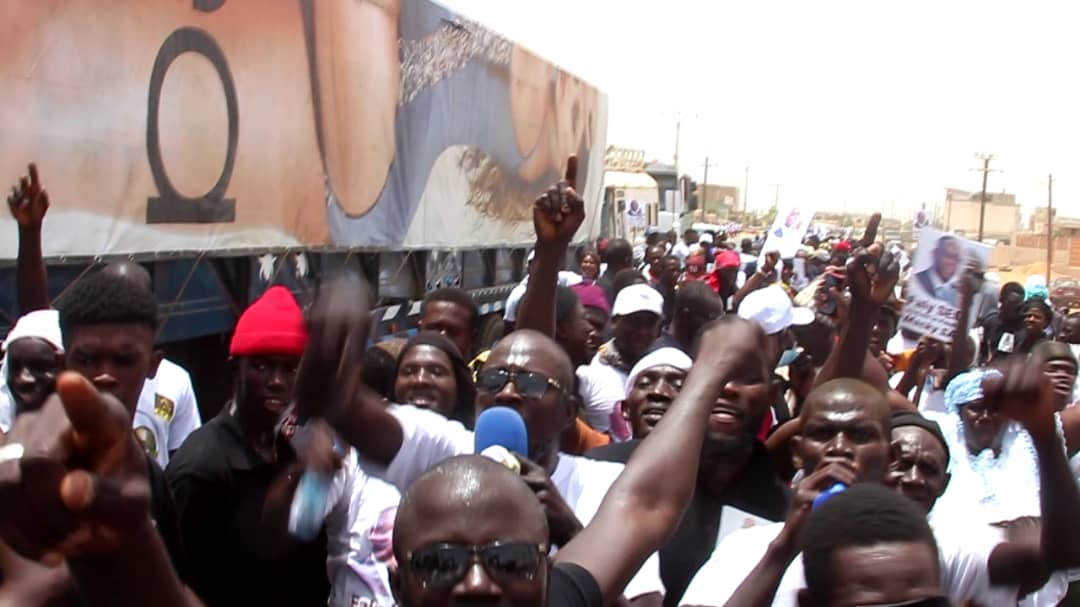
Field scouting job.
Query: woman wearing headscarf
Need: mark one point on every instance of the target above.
(432, 374)
(33, 356)
(995, 473)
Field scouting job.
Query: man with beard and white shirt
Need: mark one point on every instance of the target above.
(845, 439)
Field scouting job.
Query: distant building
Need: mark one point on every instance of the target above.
(1061, 224)
(718, 200)
(961, 211)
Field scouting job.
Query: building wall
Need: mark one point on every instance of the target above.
(1001, 222)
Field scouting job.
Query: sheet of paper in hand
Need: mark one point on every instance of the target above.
(933, 292)
(787, 230)
(732, 519)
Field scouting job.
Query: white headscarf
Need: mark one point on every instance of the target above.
(669, 357)
(42, 324)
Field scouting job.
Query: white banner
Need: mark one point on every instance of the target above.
(788, 230)
(933, 292)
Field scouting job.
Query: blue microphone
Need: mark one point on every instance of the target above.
(825, 495)
(500, 430)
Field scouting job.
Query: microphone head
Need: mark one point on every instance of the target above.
(825, 495)
(501, 426)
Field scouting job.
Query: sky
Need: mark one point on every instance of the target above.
(846, 105)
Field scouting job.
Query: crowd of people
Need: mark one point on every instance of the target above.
(709, 426)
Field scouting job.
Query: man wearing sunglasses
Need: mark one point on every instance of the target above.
(471, 532)
(528, 372)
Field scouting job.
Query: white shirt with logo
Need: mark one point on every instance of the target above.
(167, 412)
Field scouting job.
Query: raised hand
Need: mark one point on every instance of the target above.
(338, 325)
(732, 338)
(28, 202)
(1022, 394)
(559, 212)
(563, 524)
(809, 489)
(872, 272)
(74, 479)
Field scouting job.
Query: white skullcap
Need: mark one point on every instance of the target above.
(42, 324)
(669, 357)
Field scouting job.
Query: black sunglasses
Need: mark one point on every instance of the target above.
(444, 565)
(932, 601)
(528, 384)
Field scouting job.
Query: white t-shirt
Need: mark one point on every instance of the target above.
(430, 438)
(566, 279)
(963, 552)
(930, 401)
(601, 387)
(358, 530)
(169, 410)
(681, 250)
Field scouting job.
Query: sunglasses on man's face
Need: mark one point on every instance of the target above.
(528, 384)
(933, 601)
(444, 565)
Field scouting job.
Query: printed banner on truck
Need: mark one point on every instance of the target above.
(933, 291)
(165, 125)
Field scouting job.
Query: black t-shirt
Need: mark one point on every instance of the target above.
(756, 490)
(572, 586)
(607, 283)
(234, 557)
(163, 511)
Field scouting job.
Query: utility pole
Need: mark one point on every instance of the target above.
(745, 189)
(678, 127)
(1049, 227)
(776, 196)
(986, 158)
(704, 198)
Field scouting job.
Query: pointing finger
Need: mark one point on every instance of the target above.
(34, 175)
(571, 171)
(98, 420)
(871, 230)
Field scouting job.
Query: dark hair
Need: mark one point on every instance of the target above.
(626, 277)
(864, 515)
(380, 371)
(747, 245)
(105, 298)
(696, 295)
(1040, 303)
(565, 300)
(464, 408)
(620, 253)
(910, 418)
(457, 296)
(1011, 287)
(586, 253)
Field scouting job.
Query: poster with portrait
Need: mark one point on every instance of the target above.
(933, 291)
(232, 125)
(787, 230)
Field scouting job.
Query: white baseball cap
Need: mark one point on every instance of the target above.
(772, 310)
(638, 298)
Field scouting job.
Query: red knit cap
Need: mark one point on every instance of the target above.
(273, 325)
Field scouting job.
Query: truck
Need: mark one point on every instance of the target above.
(229, 145)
